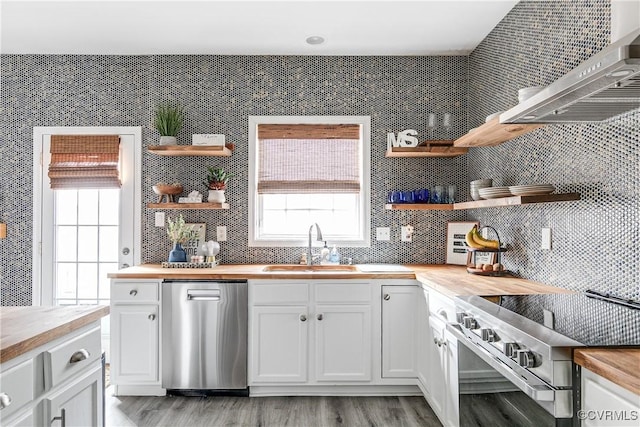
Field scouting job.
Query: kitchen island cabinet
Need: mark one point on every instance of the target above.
(51, 370)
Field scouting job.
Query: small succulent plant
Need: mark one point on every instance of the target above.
(216, 178)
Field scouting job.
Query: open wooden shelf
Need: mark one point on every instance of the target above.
(494, 133)
(189, 150)
(517, 200)
(490, 203)
(201, 206)
(432, 148)
(419, 207)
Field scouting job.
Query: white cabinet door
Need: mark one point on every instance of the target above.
(343, 342)
(399, 331)
(79, 404)
(437, 368)
(424, 343)
(279, 344)
(450, 363)
(135, 340)
(605, 403)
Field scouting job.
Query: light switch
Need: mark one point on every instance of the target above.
(545, 241)
(159, 219)
(221, 233)
(383, 233)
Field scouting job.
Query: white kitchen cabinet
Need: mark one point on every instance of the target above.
(135, 337)
(310, 332)
(605, 403)
(399, 331)
(279, 344)
(343, 342)
(423, 342)
(79, 404)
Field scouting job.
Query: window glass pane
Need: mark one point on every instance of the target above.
(109, 243)
(274, 222)
(66, 203)
(273, 201)
(88, 207)
(345, 201)
(103, 281)
(65, 280)
(298, 222)
(299, 201)
(87, 243)
(87, 280)
(66, 243)
(67, 302)
(109, 206)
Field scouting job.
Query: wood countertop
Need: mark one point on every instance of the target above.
(619, 365)
(26, 328)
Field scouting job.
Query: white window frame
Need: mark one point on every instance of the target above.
(41, 294)
(365, 191)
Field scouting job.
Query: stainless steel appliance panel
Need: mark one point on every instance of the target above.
(204, 335)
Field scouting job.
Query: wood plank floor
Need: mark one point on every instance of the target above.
(269, 411)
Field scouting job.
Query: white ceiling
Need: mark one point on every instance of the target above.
(248, 27)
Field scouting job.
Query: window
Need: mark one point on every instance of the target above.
(306, 170)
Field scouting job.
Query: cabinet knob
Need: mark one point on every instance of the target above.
(320, 316)
(125, 251)
(79, 356)
(5, 400)
(303, 318)
(62, 418)
(152, 317)
(133, 292)
(125, 265)
(386, 297)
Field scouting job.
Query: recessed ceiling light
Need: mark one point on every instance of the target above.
(313, 40)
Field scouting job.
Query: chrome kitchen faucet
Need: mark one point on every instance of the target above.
(319, 239)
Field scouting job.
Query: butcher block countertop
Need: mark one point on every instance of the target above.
(619, 365)
(26, 328)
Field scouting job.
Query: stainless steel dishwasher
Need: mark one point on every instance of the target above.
(204, 337)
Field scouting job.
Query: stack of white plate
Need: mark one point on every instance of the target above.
(494, 192)
(477, 185)
(531, 190)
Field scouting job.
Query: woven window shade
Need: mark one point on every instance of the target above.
(84, 161)
(308, 131)
(308, 166)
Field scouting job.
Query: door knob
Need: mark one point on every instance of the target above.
(386, 297)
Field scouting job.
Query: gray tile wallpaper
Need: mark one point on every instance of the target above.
(219, 93)
(595, 239)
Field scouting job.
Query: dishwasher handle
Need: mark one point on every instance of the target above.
(203, 294)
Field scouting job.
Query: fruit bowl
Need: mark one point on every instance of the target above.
(168, 190)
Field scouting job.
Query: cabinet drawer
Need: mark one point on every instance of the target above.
(338, 293)
(280, 293)
(135, 292)
(71, 357)
(16, 387)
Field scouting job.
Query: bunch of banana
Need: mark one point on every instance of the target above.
(476, 241)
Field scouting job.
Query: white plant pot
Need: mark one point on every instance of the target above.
(168, 140)
(216, 196)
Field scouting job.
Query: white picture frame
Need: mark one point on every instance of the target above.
(456, 245)
(191, 246)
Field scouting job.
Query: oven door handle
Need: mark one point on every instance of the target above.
(537, 392)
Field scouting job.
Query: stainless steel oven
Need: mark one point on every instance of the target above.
(515, 357)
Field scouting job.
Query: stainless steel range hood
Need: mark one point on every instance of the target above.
(602, 87)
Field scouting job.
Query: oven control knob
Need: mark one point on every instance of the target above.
(469, 322)
(489, 335)
(527, 359)
(460, 317)
(510, 349)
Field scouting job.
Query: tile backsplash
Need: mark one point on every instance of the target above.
(594, 239)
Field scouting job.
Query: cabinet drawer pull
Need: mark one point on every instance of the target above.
(386, 297)
(5, 400)
(133, 292)
(61, 418)
(79, 356)
(320, 316)
(303, 318)
(152, 317)
(443, 313)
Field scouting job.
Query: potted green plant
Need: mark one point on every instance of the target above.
(216, 182)
(179, 233)
(168, 120)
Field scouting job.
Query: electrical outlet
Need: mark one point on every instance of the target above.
(383, 233)
(545, 241)
(159, 219)
(406, 233)
(221, 233)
